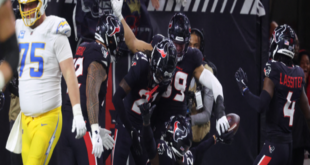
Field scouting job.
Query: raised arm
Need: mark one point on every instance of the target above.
(132, 42)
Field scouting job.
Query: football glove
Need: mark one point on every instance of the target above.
(225, 138)
(146, 112)
(222, 124)
(241, 79)
(117, 8)
(96, 141)
(135, 141)
(78, 124)
(107, 140)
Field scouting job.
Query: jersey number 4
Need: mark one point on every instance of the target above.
(179, 85)
(24, 47)
(287, 111)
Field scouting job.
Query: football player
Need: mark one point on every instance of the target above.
(92, 61)
(283, 87)
(8, 43)
(189, 65)
(142, 84)
(173, 147)
(45, 55)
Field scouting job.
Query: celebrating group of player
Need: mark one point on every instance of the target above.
(150, 100)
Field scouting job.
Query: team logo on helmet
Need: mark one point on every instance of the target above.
(162, 52)
(170, 24)
(179, 134)
(112, 28)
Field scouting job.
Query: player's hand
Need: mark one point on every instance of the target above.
(146, 112)
(136, 141)
(241, 79)
(96, 141)
(183, 2)
(222, 125)
(117, 8)
(155, 4)
(225, 138)
(78, 124)
(107, 140)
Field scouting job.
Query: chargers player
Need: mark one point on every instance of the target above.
(45, 53)
(8, 43)
(189, 65)
(283, 88)
(92, 61)
(142, 84)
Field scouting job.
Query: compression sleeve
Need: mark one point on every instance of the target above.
(11, 51)
(119, 106)
(149, 142)
(258, 103)
(208, 80)
(204, 116)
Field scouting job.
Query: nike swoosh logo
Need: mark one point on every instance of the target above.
(43, 125)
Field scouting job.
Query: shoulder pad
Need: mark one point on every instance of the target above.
(188, 158)
(270, 65)
(60, 26)
(138, 57)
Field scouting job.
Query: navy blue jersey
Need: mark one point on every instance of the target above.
(289, 82)
(167, 157)
(173, 101)
(87, 53)
(137, 79)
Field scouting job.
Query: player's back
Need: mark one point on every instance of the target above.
(288, 86)
(87, 53)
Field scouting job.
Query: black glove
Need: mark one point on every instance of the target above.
(135, 141)
(146, 112)
(225, 138)
(241, 79)
(162, 87)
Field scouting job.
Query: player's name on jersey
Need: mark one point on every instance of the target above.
(291, 82)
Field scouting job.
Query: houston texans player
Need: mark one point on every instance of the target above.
(283, 87)
(8, 43)
(142, 84)
(173, 147)
(189, 65)
(92, 61)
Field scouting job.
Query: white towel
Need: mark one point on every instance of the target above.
(14, 143)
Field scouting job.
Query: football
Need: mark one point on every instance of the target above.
(234, 122)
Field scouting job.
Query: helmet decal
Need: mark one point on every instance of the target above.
(179, 132)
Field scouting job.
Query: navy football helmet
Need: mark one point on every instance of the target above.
(163, 61)
(178, 134)
(283, 41)
(110, 31)
(179, 31)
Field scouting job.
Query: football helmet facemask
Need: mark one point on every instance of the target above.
(163, 61)
(110, 32)
(283, 41)
(179, 31)
(31, 16)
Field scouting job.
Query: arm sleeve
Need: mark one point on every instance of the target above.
(11, 51)
(149, 142)
(208, 80)
(62, 48)
(204, 116)
(119, 106)
(259, 103)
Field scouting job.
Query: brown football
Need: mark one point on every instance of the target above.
(234, 122)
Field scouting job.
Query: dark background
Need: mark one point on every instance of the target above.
(232, 40)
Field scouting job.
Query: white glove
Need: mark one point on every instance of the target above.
(117, 8)
(183, 2)
(78, 122)
(107, 140)
(222, 125)
(96, 141)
